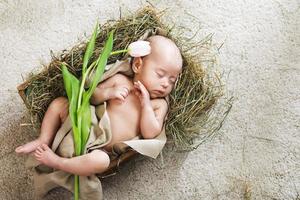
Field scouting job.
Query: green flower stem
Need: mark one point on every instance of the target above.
(88, 71)
(82, 84)
(79, 119)
(119, 51)
(76, 188)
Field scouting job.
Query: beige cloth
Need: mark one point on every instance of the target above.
(46, 178)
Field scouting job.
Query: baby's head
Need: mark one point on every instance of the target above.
(159, 70)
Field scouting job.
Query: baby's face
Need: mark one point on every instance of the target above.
(159, 75)
(159, 70)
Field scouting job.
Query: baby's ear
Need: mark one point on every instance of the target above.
(137, 64)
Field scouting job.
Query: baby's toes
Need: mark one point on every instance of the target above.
(39, 149)
(19, 149)
(37, 155)
(44, 147)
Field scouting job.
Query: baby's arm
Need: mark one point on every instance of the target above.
(152, 118)
(110, 89)
(153, 113)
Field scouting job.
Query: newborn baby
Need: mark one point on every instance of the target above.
(135, 106)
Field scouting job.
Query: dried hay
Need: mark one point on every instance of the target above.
(192, 118)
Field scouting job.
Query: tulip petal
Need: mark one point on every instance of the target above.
(139, 48)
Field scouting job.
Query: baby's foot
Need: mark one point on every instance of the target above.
(46, 156)
(28, 147)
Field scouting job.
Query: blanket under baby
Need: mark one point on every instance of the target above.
(45, 178)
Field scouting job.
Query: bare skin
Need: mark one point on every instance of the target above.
(46, 156)
(29, 147)
(141, 98)
(56, 114)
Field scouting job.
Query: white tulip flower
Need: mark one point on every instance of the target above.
(139, 48)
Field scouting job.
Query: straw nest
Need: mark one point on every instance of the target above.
(192, 116)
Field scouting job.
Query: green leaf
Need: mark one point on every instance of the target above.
(81, 115)
(67, 80)
(72, 88)
(89, 50)
(101, 63)
(85, 113)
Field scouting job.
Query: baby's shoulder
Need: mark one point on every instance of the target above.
(159, 103)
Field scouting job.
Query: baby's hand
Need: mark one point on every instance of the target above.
(119, 92)
(142, 93)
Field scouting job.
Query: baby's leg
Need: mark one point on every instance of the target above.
(95, 162)
(55, 115)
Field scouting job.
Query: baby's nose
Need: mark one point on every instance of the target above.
(165, 84)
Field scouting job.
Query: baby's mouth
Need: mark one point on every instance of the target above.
(159, 92)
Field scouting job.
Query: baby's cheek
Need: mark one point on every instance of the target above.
(148, 86)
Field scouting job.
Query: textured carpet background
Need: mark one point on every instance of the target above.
(258, 149)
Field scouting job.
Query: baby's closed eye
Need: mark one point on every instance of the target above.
(173, 80)
(160, 75)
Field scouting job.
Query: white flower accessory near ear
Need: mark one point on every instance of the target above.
(139, 48)
(136, 49)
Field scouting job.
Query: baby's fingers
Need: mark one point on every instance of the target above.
(142, 86)
(120, 97)
(143, 89)
(137, 92)
(125, 92)
(136, 85)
